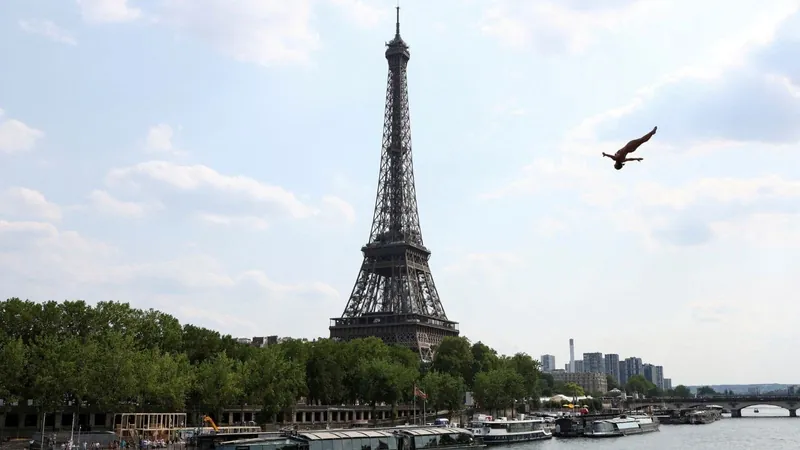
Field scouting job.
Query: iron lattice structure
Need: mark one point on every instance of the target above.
(394, 297)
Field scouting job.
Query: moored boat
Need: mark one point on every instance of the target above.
(400, 438)
(622, 426)
(571, 426)
(503, 431)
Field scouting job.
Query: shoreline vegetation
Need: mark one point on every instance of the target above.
(113, 357)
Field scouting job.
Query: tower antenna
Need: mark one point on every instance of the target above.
(397, 23)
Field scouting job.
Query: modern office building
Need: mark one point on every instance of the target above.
(667, 384)
(611, 362)
(647, 371)
(548, 363)
(634, 366)
(658, 375)
(594, 362)
(579, 366)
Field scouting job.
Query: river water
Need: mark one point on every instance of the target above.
(769, 429)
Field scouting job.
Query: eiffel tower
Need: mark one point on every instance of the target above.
(394, 297)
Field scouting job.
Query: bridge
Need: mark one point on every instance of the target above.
(733, 402)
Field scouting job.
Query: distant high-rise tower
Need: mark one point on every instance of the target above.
(594, 363)
(612, 365)
(633, 366)
(394, 296)
(571, 356)
(658, 375)
(647, 371)
(624, 374)
(579, 367)
(548, 363)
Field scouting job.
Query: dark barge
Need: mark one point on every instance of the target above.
(575, 426)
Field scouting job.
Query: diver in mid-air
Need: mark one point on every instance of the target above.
(621, 156)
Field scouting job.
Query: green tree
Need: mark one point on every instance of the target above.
(573, 390)
(326, 372)
(217, 382)
(14, 357)
(543, 388)
(706, 391)
(682, 391)
(639, 384)
(498, 388)
(273, 381)
(116, 370)
(383, 381)
(612, 382)
(528, 369)
(444, 391)
(354, 354)
(454, 356)
(484, 359)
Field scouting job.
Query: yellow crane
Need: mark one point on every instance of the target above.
(210, 421)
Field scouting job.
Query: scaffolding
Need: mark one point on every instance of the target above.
(134, 427)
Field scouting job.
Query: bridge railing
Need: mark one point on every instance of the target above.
(717, 398)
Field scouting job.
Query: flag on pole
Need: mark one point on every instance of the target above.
(419, 393)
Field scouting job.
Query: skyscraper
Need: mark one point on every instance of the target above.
(647, 371)
(612, 365)
(594, 363)
(633, 366)
(571, 356)
(548, 363)
(623, 373)
(667, 384)
(579, 366)
(658, 375)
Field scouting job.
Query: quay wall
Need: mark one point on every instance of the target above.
(23, 422)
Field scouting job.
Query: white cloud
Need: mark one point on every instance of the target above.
(561, 25)
(38, 261)
(491, 264)
(339, 207)
(549, 226)
(16, 137)
(196, 177)
(48, 29)
(728, 103)
(266, 32)
(27, 203)
(37, 255)
(108, 11)
(750, 91)
(104, 202)
(362, 12)
(159, 140)
(251, 222)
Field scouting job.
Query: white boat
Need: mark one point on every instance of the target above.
(622, 426)
(503, 431)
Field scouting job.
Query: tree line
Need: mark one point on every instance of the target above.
(641, 385)
(113, 357)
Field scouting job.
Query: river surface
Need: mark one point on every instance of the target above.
(769, 429)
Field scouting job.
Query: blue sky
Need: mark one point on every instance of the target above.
(218, 159)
